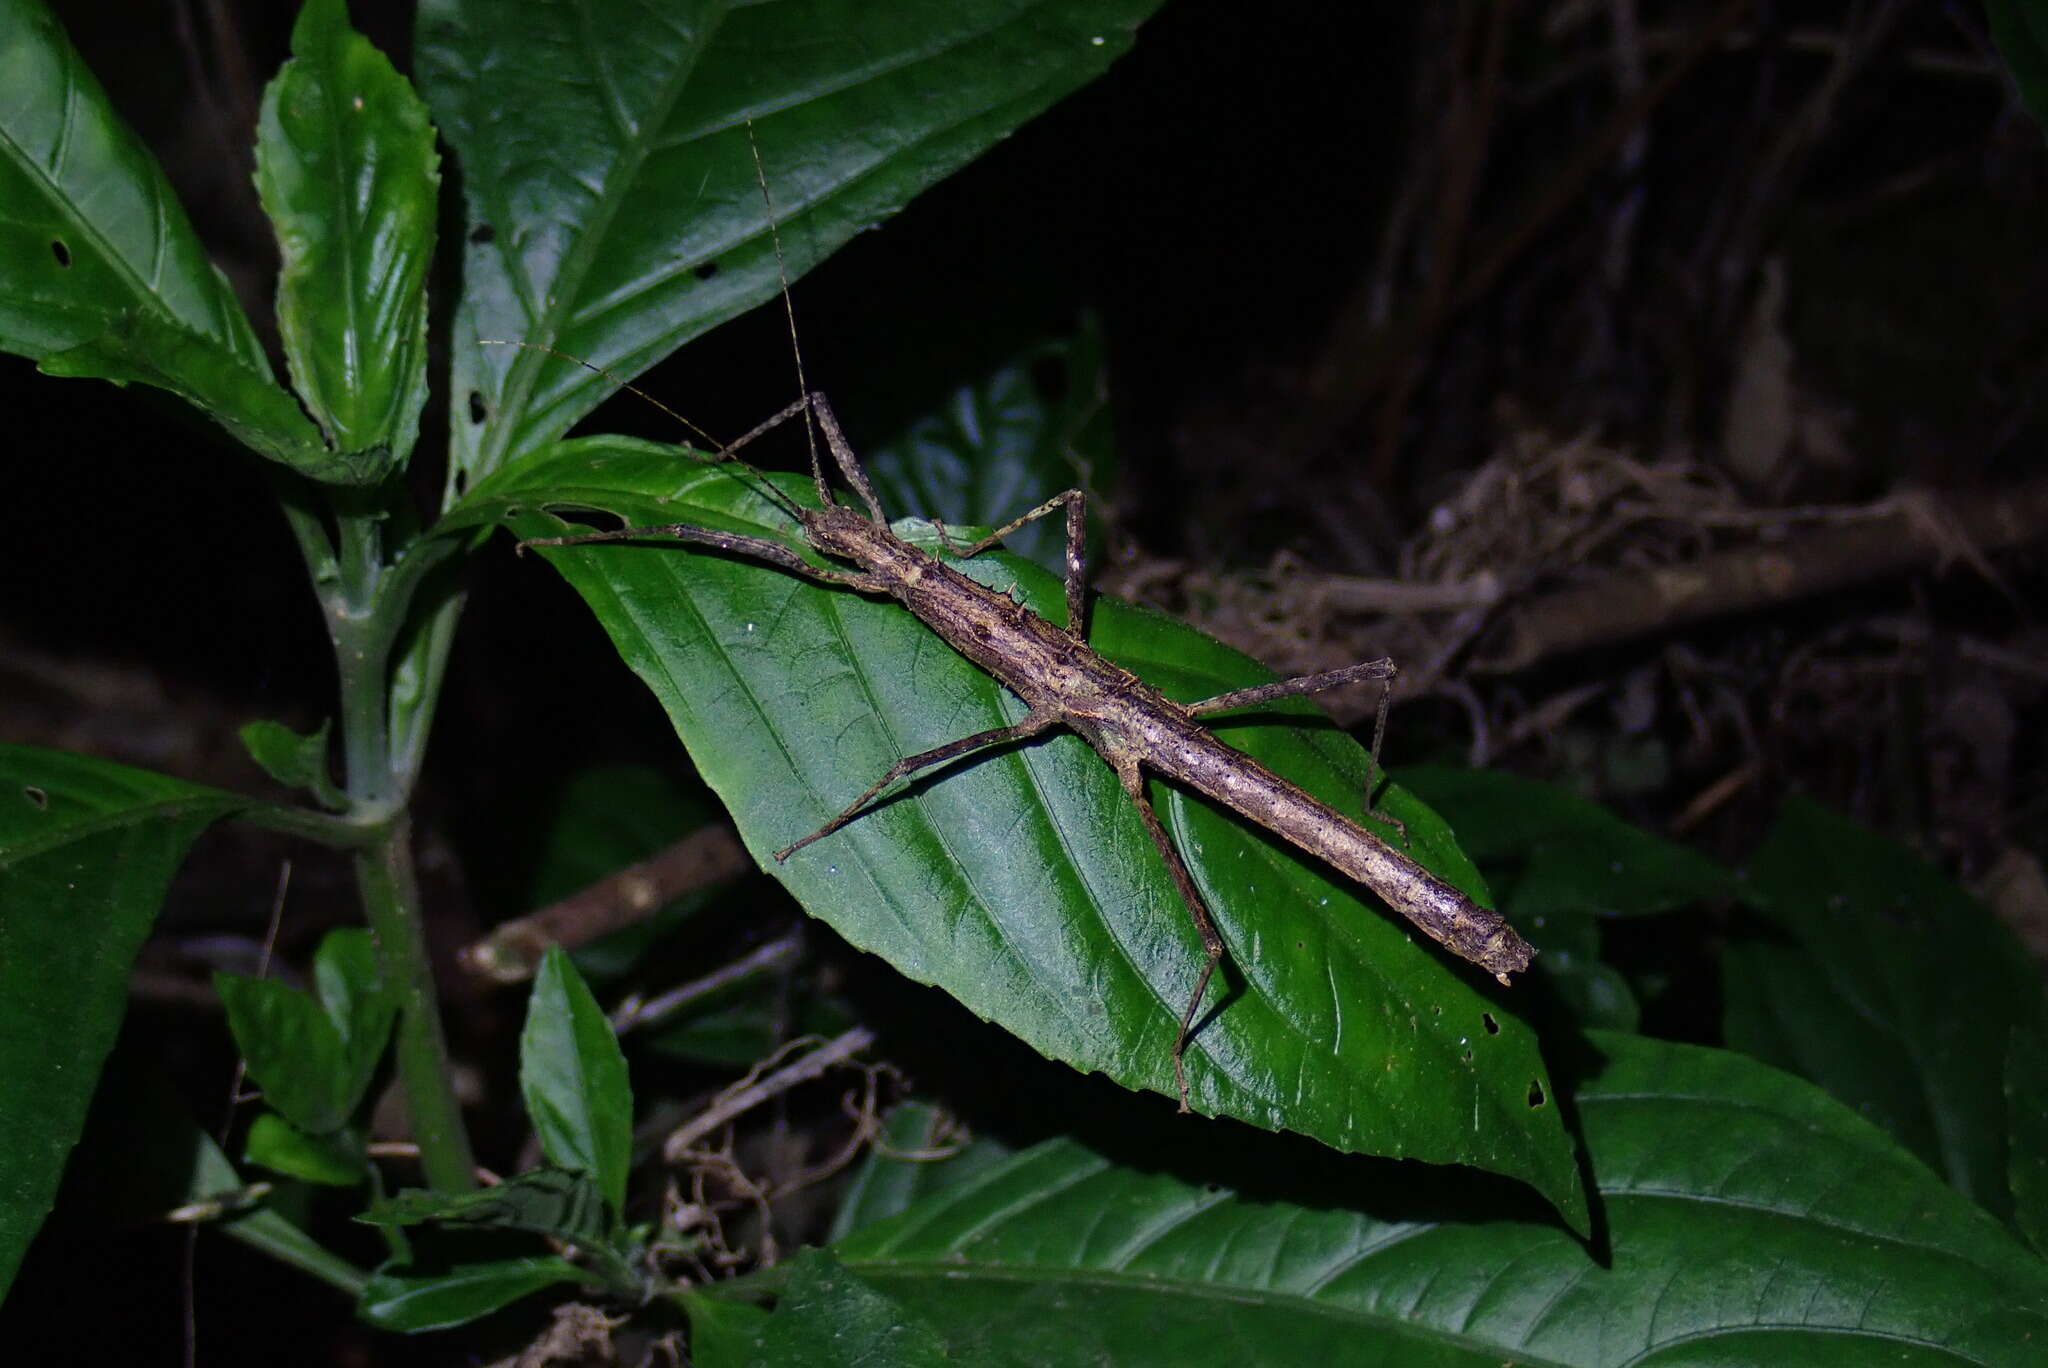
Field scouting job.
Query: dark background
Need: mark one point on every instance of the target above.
(1230, 201)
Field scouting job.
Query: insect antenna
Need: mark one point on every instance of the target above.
(718, 454)
(841, 453)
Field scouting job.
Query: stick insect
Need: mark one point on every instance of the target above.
(1064, 682)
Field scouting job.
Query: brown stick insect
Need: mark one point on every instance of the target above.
(1064, 682)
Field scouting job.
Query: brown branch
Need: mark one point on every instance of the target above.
(1635, 602)
(703, 859)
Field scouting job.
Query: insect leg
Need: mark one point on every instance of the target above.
(1212, 944)
(757, 548)
(1382, 669)
(1076, 504)
(1032, 724)
(842, 453)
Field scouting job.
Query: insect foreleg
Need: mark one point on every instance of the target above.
(1032, 724)
(842, 453)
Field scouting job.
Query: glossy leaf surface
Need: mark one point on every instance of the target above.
(1749, 1220)
(87, 848)
(346, 166)
(101, 274)
(614, 202)
(574, 1079)
(438, 1298)
(1023, 882)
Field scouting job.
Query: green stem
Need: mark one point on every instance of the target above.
(367, 605)
(391, 898)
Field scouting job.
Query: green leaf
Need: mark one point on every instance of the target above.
(999, 446)
(350, 984)
(440, 1298)
(1023, 882)
(613, 198)
(101, 274)
(723, 1333)
(919, 1153)
(1749, 1219)
(830, 1317)
(233, 391)
(2020, 28)
(1560, 864)
(87, 849)
(1899, 996)
(296, 761)
(292, 1050)
(335, 1160)
(546, 1201)
(91, 233)
(346, 166)
(574, 1079)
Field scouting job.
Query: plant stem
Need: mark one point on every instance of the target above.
(367, 605)
(390, 896)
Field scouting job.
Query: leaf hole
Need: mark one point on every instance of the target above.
(1536, 1098)
(477, 411)
(38, 798)
(461, 483)
(1492, 1026)
(705, 270)
(60, 250)
(483, 233)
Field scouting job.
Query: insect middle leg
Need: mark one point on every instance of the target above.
(1031, 725)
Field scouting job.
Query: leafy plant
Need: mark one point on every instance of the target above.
(1649, 1201)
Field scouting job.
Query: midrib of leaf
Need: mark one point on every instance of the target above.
(634, 147)
(222, 321)
(940, 832)
(954, 1274)
(168, 810)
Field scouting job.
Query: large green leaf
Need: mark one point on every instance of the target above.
(100, 272)
(831, 1317)
(614, 204)
(346, 166)
(1748, 1219)
(1899, 997)
(87, 849)
(1023, 882)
